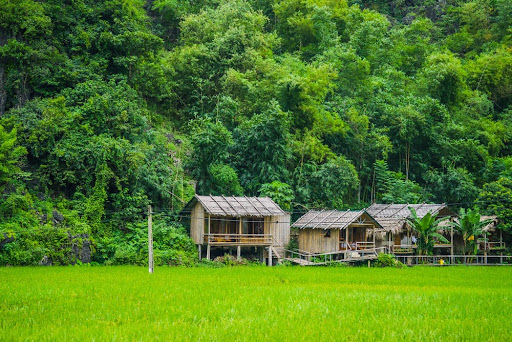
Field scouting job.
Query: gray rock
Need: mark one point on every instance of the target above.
(80, 248)
(57, 217)
(46, 261)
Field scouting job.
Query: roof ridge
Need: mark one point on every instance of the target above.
(225, 199)
(213, 199)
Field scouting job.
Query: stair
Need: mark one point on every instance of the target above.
(278, 252)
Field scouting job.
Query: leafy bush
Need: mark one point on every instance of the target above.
(388, 260)
(230, 260)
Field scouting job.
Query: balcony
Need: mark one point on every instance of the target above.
(238, 239)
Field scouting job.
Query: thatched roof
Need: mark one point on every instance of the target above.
(490, 227)
(333, 219)
(393, 217)
(236, 206)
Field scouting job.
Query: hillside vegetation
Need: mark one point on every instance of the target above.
(108, 106)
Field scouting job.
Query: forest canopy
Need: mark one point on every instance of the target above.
(108, 106)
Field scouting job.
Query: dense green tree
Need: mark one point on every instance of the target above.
(122, 103)
(210, 153)
(496, 199)
(261, 152)
(10, 154)
(281, 193)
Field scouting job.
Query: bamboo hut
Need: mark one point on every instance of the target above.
(397, 236)
(489, 243)
(229, 222)
(329, 231)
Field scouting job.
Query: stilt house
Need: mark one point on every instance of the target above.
(256, 224)
(397, 236)
(490, 243)
(334, 231)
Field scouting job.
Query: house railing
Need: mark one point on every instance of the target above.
(356, 246)
(364, 245)
(238, 239)
(403, 249)
(485, 244)
(455, 259)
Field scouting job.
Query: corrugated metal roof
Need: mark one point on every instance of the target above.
(331, 219)
(237, 206)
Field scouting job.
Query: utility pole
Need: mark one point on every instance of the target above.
(150, 239)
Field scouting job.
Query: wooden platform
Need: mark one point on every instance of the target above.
(309, 260)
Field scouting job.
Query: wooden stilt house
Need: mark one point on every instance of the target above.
(398, 237)
(489, 243)
(332, 231)
(256, 224)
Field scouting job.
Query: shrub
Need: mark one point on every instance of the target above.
(388, 260)
(229, 260)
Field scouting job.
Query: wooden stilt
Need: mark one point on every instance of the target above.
(452, 259)
(239, 252)
(150, 239)
(199, 252)
(270, 255)
(208, 252)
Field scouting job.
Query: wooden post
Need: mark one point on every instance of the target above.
(368, 263)
(150, 239)
(199, 252)
(238, 252)
(373, 236)
(208, 245)
(452, 259)
(270, 255)
(390, 244)
(501, 245)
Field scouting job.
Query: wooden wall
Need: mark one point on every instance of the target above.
(279, 227)
(197, 223)
(314, 240)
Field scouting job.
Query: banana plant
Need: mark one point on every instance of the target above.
(470, 226)
(427, 228)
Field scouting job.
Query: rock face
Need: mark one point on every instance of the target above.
(5, 239)
(57, 217)
(46, 261)
(80, 248)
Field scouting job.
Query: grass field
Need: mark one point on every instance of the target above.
(255, 303)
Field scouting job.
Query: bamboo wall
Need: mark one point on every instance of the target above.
(314, 240)
(279, 227)
(197, 223)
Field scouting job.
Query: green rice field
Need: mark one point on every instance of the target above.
(255, 303)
